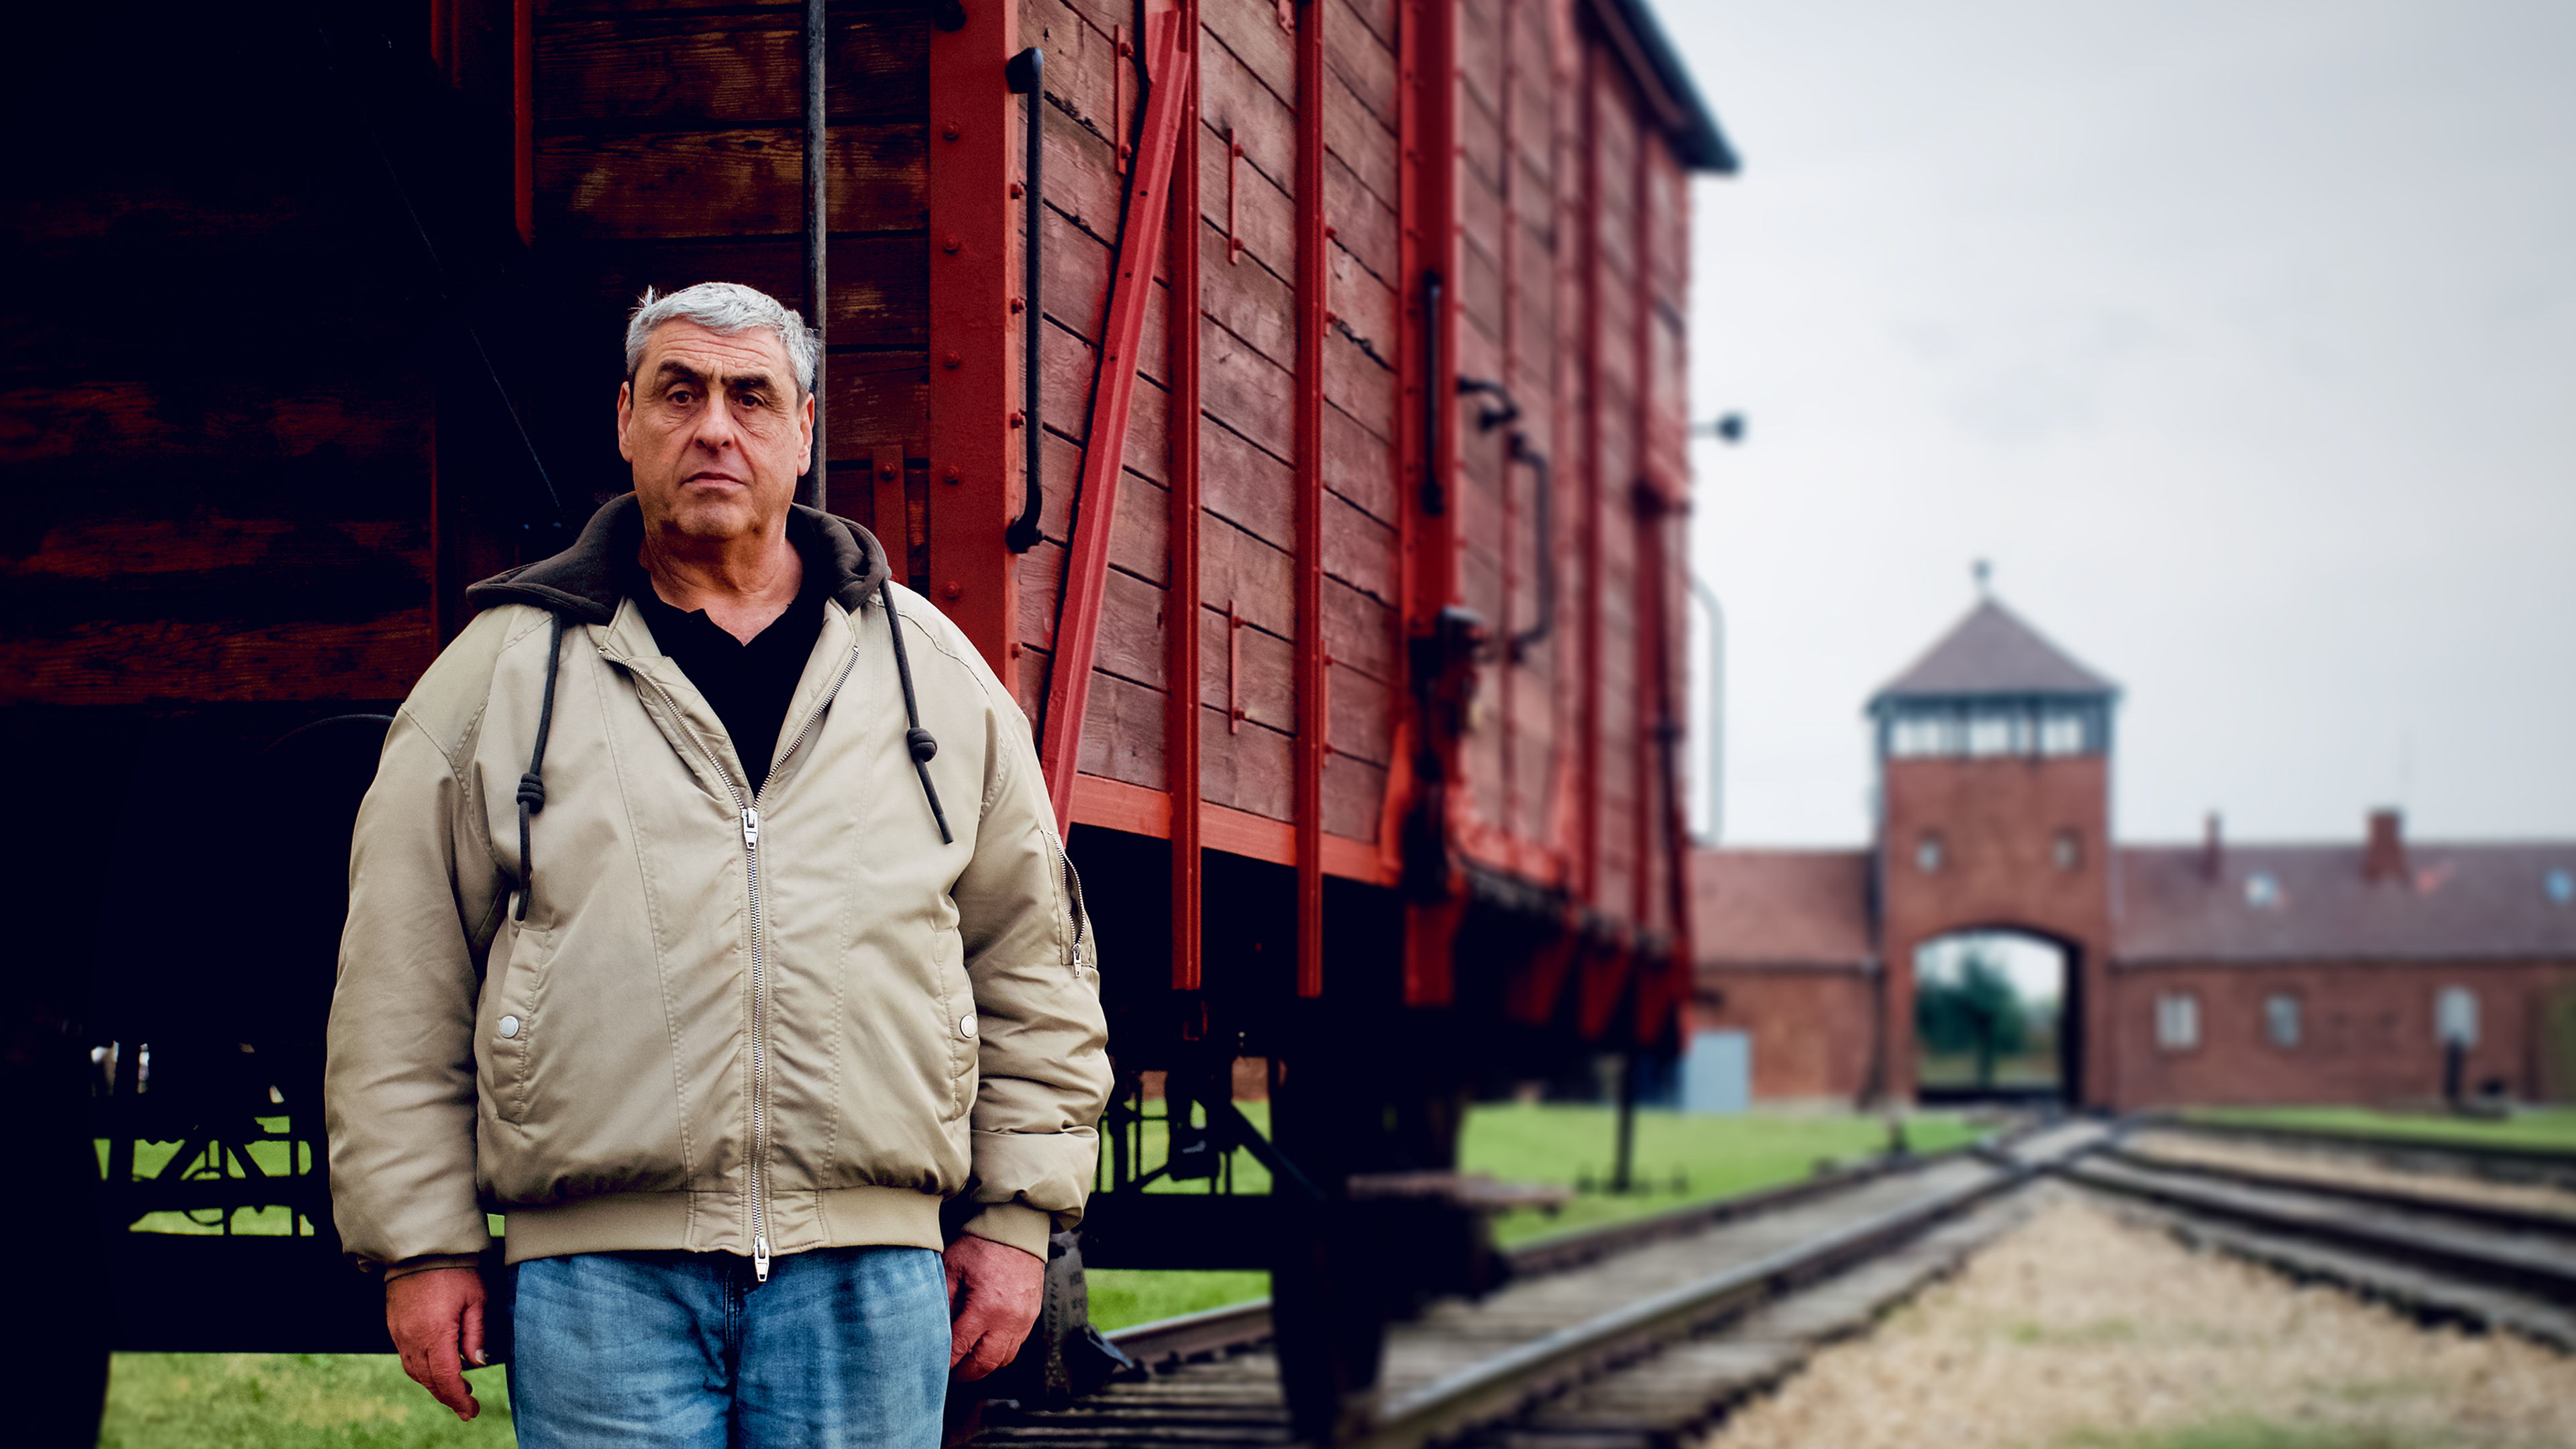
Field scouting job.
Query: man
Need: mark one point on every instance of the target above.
(707, 920)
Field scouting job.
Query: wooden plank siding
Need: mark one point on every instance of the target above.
(296, 523)
(203, 508)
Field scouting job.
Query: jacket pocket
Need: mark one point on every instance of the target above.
(1073, 920)
(506, 1035)
(958, 1019)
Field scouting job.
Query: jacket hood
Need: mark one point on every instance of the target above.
(581, 581)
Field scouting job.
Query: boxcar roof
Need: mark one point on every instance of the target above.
(1639, 37)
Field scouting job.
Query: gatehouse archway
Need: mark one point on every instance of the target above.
(1993, 1017)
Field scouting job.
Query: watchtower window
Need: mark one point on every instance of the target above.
(2262, 890)
(2067, 850)
(1927, 852)
(2560, 885)
(1993, 728)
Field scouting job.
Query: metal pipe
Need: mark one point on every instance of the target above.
(1434, 499)
(1623, 1162)
(816, 492)
(1026, 75)
(1716, 705)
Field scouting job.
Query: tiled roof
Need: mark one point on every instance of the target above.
(1781, 907)
(1992, 652)
(2458, 902)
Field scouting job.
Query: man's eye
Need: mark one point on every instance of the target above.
(679, 397)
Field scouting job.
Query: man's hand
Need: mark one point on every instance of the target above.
(994, 1293)
(436, 1318)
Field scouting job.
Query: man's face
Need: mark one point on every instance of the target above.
(715, 431)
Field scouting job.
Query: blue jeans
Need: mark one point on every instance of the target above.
(841, 1348)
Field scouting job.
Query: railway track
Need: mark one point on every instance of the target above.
(2495, 1162)
(1618, 1338)
(2431, 1251)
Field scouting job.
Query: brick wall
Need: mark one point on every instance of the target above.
(2366, 1032)
(1812, 1027)
(1998, 822)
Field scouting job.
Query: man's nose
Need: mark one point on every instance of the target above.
(717, 427)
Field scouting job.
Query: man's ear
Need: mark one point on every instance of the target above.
(805, 430)
(625, 415)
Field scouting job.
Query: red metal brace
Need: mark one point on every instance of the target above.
(1086, 567)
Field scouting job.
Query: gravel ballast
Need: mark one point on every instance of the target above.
(2080, 1329)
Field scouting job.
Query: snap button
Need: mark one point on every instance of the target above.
(509, 1027)
(966, 1025)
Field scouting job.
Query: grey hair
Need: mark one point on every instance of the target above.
(725, 308)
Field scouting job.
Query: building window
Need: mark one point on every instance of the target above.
(2068, 850)
(2455, 1016)
(2281, 1018)
(1927, 852)
(2177, 1021)
(2561, 886)
(2262, 890)
(2061, 733)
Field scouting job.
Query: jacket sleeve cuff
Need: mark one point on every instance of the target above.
(428, 1261)
(1015, 1224)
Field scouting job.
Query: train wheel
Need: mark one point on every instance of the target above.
(1329, 1316)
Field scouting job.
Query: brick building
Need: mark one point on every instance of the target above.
(2202, 973)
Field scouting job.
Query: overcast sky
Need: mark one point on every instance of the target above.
(2242, 339)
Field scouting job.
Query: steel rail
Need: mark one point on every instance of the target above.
(2322, 1218)
(2494, 1215)
(1242, 1325)
(1528, 1372)
(2551, 1163)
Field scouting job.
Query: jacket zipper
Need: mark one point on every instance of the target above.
(749, 814)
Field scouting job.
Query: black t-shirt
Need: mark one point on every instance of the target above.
(748, 684)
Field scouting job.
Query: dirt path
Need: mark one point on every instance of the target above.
(2081, 1331)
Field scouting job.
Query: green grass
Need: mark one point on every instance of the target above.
(289, 1401)
(303, 1401)
(1679, 1159)
(2550, 1129)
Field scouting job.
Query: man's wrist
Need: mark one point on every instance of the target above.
(430, 1262)
(1014, 1225)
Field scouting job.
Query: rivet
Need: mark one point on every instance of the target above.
(1018, 306)
(949, 476)
(955, 590)
(951, 244)
(885, 470)
(1017, 191)
(952, 360)
(1019, 420)
(951, 131)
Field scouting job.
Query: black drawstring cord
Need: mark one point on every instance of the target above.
(916, 739)
(532, 785)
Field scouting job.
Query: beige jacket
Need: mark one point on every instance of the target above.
(726, 1024)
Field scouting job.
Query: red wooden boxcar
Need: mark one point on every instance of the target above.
(1347, 598)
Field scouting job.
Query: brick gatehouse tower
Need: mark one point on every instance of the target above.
(1994, 813)
(2375, 969)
